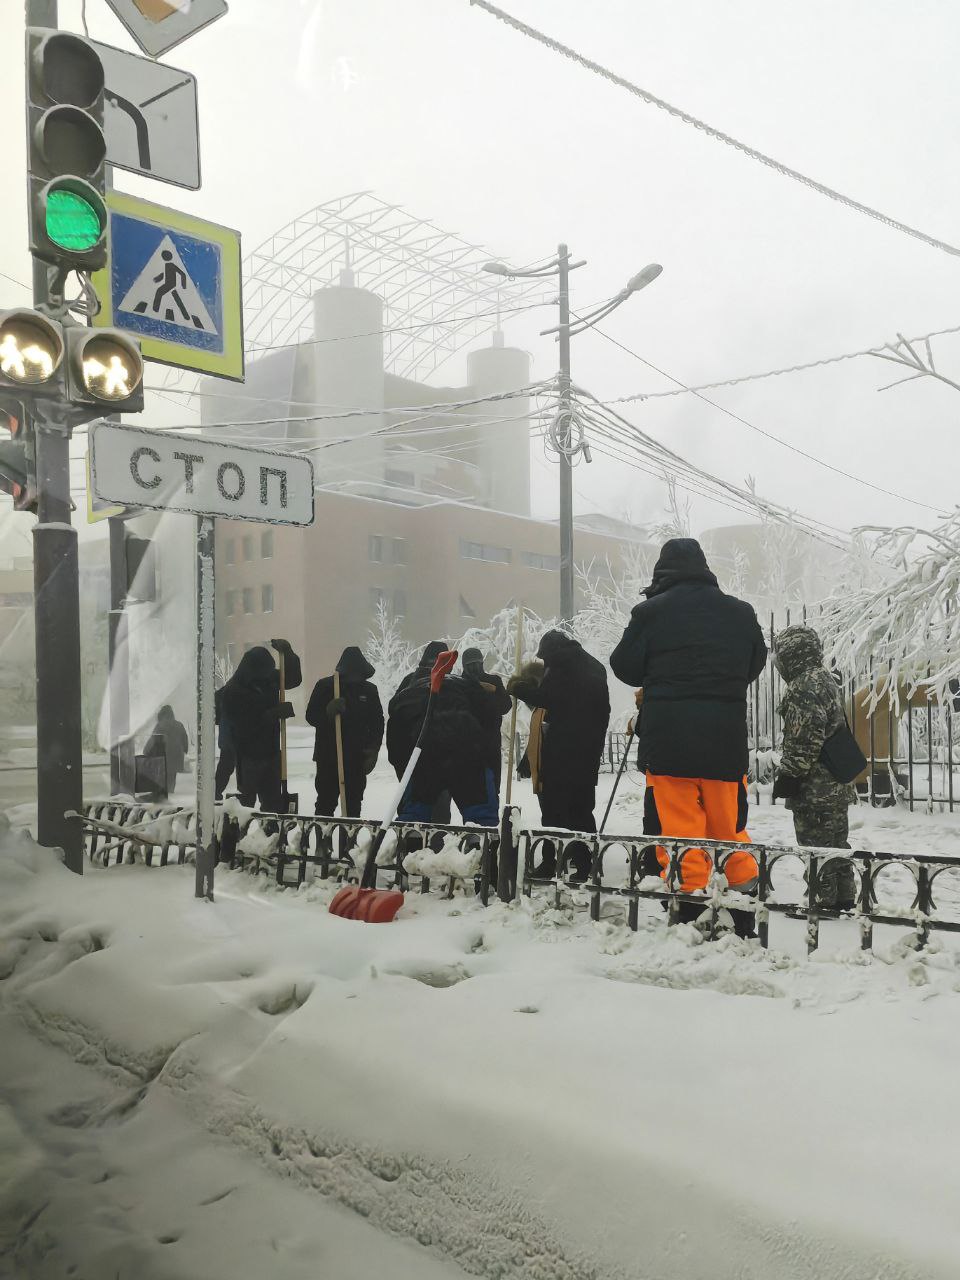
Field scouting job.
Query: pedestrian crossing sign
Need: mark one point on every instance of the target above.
(173, 281)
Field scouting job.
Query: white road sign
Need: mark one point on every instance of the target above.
(168, 472)
(150, 117)
(158, 25)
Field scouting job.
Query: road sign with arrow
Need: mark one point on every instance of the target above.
(150, 117)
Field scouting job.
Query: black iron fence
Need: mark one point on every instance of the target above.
(920, 893)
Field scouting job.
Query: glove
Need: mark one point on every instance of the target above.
(786, 787)
(370, 757)
(336, 707)
(630, 726)
(638, 698)
(286, 710)
(282, 646)
(521, 687)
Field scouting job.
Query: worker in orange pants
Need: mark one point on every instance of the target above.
(692, 808)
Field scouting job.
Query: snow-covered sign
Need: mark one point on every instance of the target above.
(169, 472)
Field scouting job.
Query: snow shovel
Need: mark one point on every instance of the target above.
(623, 765)
(379, 906)
(289, 801)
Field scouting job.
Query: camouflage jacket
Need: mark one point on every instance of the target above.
(812, 710)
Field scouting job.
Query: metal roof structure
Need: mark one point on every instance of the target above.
(437, 298)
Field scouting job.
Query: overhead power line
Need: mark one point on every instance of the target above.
(785, 444)
(686, 118)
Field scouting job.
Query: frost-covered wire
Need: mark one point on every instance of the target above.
(686, 118)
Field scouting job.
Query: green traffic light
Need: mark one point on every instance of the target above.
(72, 222)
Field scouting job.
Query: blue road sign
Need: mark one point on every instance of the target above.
(174, 281)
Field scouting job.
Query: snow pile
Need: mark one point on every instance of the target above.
(386, 854)
(257, 845)
(449, 860)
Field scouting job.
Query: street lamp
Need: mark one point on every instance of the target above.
(561, 266)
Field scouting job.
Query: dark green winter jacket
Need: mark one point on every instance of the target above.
(812, 710)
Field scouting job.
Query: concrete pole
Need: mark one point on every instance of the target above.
(567, 603)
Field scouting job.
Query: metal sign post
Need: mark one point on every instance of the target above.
(206, 745)
(204, 478)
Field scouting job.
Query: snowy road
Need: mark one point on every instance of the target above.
(255, 1088)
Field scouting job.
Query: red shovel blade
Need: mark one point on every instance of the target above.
(375, 906)
(442, 667)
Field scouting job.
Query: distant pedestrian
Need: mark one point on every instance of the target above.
(168, 742)
(812, 710)
(694, 651)
(573, 733)
(251, 704)
(361, 723)
(492, 705)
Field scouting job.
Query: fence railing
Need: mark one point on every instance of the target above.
(920, 893)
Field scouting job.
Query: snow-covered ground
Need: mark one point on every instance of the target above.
(255, 1088)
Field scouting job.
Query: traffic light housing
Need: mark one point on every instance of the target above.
(32, 348)
(66, 150)
(104, 371)
(18, 473)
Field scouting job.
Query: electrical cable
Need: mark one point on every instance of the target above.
(686, 118)
(820, 462)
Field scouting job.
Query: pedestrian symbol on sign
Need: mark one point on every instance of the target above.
(164, 291)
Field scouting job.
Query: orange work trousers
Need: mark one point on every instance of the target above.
(703, 807)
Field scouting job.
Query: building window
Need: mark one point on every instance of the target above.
(466, 609)
(375, 548)
(377, 597)
(230, 547)
(231, 603)
(266, 545)
(483, 551)
(248, 546)
(399, 551)
(248, 600)
(399, 604)
(266, 598)
(538, 561)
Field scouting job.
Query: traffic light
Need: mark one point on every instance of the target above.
(31, 354)
(104, 371)
(66, 150)
(18, 475)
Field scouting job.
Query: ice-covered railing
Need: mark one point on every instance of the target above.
(920, 893)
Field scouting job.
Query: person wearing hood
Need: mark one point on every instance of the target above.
(251, 703)
(575, 701)
(361, 722)
(492, 705)
(694, 651)
(453, 761)
(169, 741)
(812, 710)
(399, 744)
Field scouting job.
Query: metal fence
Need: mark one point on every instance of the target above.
(919, 893)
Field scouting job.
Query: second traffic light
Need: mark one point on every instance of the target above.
(66, 150)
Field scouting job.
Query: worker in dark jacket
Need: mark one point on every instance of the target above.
(453, 758)
(227, 760)
(493, 705)
(694, 651)
(361, 727)
(170, 742)
(396, 738)
(251, 703)
(573, 693)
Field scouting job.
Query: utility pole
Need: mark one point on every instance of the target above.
(565, 439)
(567, 432)
(121, 754)
(56, 589)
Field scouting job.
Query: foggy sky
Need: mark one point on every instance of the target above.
(434, 105)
